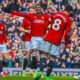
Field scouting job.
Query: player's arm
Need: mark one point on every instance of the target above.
(48, 22)
(67, 30)
(23, 30)
(29, 16)
(22, 27)
(19, 14)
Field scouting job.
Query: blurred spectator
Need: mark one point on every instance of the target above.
(0, 1)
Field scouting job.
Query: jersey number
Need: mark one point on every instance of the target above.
(56, 25)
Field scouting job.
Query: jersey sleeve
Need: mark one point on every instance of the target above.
(48, 20)
(18, 14)
(67, 30)
(29, 16)
(23, 24)
(26, 23)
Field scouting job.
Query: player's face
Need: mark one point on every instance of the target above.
(32, 11)
(38, 9)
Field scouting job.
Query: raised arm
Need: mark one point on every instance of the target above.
(19, 14)
(29, 15)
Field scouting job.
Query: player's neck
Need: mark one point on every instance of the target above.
(39, 14)
(66, 12)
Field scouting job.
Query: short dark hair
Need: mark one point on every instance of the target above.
(69, 8)
(38, 4)
(30, 8)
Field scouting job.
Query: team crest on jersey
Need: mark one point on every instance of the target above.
(1, 27)
(42, 17)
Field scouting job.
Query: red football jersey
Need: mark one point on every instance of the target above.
(39, 23)
(27, 26)
(3, 38)
(60, 26)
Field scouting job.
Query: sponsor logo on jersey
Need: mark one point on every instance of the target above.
(39, 21)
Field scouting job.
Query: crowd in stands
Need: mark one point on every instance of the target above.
(69, 56)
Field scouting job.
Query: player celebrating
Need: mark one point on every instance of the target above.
(39, 24)
(26, 28)
(60, 28)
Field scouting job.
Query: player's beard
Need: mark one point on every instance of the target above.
(38, 12)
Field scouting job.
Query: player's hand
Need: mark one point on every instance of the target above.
(5, 43)
(28, 31)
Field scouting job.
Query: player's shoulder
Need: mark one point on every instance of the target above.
(31, 14)
(63, 15)
(46, 15)
(26, 20)
(59, 13)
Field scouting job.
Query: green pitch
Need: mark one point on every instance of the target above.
(31, 78)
